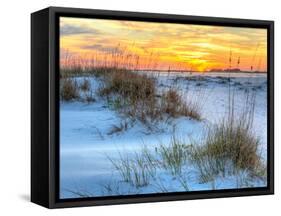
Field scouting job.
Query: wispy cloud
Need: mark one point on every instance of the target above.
(68, 29)
(102, 48)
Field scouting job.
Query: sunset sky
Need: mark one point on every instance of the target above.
(160, 46)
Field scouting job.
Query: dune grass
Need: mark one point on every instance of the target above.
(137, 169)
(173, 104)
(72, 90)
(135, 95)
(174, 156)
(229, 148)
(127, 90)
(128, 84)
(85, 85)
(69, 90)
(132, 94)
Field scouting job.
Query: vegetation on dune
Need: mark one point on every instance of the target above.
(137, 170)
(174, 156)
(174, 105)
(135, 95)
(85, 85)
(89, 97)
(209, 161)
(128, 84)
(229, 148)
(69, 90)
(131, 93)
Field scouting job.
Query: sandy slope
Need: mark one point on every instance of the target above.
(85, 143)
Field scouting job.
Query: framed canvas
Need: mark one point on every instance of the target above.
(138, 107)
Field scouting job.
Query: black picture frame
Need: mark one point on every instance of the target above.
(45, 106)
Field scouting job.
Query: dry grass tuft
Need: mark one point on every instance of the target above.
(135, 95)
(128, 84)
(69, 89)
(229, 146)
(85, 85)
(174, 106)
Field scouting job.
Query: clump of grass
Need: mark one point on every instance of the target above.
(234, 141)
(207, 167)
(140, 174)
(128, 84)
(85, 85)
(69, 89)
(172, 103)
(174, 106)
(89, 97)
(132, 94)
(123, 167)
(192, 111)
(146, 111)
(140, 168)
(150, 161)
(137, 169)
(174, 156)
(228, 146)
(135, 96)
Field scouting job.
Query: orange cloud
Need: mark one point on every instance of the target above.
(148, 45)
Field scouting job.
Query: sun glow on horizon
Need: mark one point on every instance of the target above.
(161, 46)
